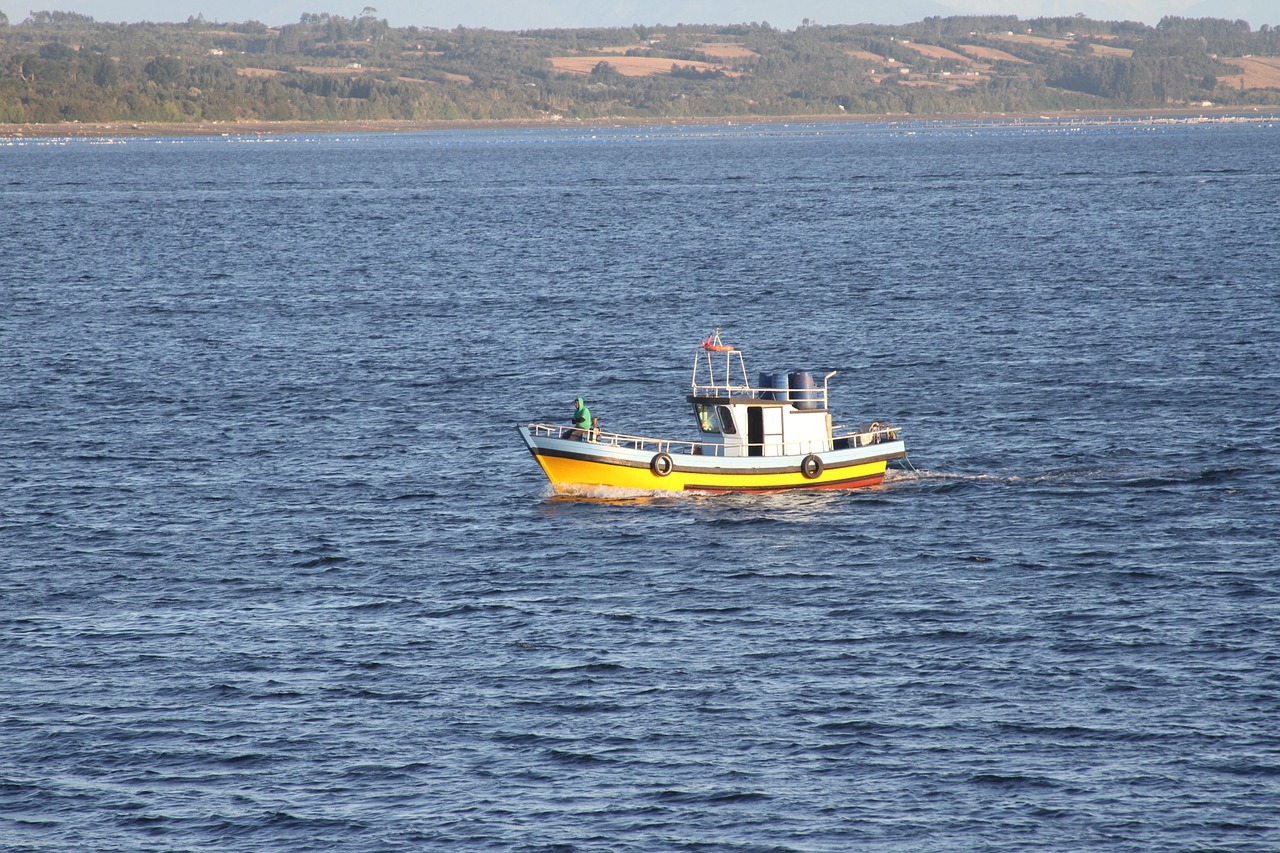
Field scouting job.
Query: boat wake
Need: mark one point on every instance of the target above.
(1137, 478)
(609, 494)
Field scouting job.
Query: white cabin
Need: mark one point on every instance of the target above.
(784, 415)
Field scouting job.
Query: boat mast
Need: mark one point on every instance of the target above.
(711, 347)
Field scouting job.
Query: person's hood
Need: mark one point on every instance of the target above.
(578, 402)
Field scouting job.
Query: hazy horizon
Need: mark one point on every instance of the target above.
(543, 14)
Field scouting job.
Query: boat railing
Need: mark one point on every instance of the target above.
(814, 396)
(622, 440)
(847, 438)
(876, 433)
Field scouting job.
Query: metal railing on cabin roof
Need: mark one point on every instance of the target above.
(709, 351)
(816, 395)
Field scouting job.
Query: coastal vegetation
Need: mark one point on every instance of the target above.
(66, 67)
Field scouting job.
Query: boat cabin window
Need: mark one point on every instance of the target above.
(726, 421)
(715, 419)
(704, 417)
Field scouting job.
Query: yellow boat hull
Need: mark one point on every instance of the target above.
(567, 474)
(571, 466)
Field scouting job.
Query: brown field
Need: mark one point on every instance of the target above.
(990, 54)
(934, 52)
(1260, 72)
(330, 69)
(627, 66)
(724, 50)
(258, 72)
(869, 57)
(1039, 41)
(1107, 50)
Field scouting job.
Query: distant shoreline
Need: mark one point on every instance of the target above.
(127, 129)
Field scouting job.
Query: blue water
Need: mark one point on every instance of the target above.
(277, 574)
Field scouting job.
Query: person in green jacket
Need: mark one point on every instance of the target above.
(581, 420)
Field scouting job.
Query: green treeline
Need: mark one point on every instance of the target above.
(62, 66)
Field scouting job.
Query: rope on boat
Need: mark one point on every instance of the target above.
(905, 464)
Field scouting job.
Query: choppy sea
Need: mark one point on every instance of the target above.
(276, 573)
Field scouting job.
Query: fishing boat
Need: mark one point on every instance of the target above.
(772, 436)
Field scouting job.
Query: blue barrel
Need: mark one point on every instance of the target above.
(803, 392)
(775, 381)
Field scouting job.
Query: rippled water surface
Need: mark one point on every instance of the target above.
(277, 573)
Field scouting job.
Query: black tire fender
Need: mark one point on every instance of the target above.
(811, 467)
(661, 465)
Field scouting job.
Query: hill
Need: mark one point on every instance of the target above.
(61, 67)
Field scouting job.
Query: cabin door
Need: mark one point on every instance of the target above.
(755, 431)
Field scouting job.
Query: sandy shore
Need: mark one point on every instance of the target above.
(64, 130)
